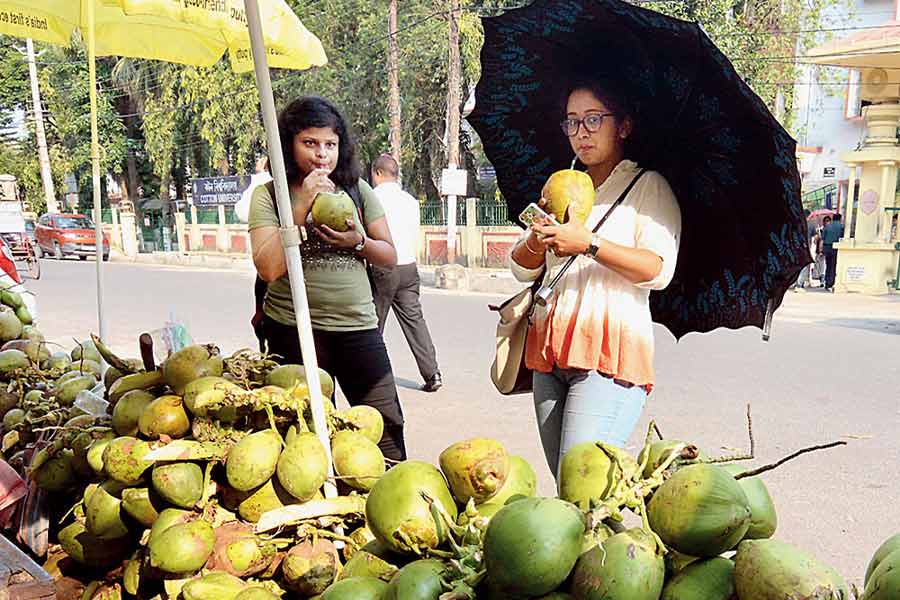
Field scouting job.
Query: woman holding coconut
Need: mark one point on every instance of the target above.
(320, 158)
(591, 347)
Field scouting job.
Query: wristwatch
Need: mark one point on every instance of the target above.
(362, 243)
(594, 246)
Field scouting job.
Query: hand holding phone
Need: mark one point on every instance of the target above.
(535, 214)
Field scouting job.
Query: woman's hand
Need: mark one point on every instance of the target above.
(341, 239)
(568, 239)
(314, 183)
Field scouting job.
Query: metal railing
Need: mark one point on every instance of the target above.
(488, 213)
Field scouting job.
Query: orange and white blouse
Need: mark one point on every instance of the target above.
(598, 320)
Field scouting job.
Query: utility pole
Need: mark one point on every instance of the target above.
(394, 84)
(43, 156)
(453, 122)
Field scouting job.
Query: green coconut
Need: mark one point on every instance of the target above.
(86, 366)
(57, 474)
(142, 504)
(356, 588)
(89, 550)
(521, 481)
(239, 552)
(476, 469)
(419, 580)
(531, 546)
(180, 483)
(164, 416)
(888, 547)
(286, 376)
(202, 392)
(182, 548)
(303, 466)
(269, 496)
(169, 518)
(10, 325)
(884, 581)
(763, 518)
(216, 585)
(366, 564)
(310, 567)
(253, 460)
(626, 565)
(710, 579)
(587, 473)
(104, 513)
(12, 362)
(128, 410)
(399, 516)
(36, 350)
(11, 299)
(333, 210)
(58, 362)
(68, 391)
(133, 571)
(357, 459)
(95, 454)
(700, 511)
(365, 420)
(256, 592)
(189, 364)
(86, 350)
(774, 570)
(123, 459)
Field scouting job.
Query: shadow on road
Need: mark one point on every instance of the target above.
(890, 326)
(407, 383)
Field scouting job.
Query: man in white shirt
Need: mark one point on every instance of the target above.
(399, 287)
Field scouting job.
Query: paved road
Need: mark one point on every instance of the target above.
(831, 372)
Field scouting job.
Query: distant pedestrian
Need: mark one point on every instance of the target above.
(831, 234)
(398, 288)
(819, 253)
(803, 281)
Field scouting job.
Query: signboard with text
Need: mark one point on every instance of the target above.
(213, 191)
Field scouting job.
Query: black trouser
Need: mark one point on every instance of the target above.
(398, 288)
(358, 361)
(830, 266)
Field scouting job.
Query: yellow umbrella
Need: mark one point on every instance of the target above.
(109, 30)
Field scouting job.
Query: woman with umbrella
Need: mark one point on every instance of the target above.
(320, 157)
(591, 346)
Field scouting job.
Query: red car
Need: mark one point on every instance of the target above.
(61, 235)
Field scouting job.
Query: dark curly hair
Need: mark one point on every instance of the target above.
(312, 111)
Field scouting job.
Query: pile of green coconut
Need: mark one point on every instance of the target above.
(204, 480)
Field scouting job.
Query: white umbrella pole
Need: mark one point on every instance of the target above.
(95, 167)
(290, 235)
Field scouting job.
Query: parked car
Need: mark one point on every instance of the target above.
(61, 235)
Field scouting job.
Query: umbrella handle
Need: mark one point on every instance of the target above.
(767, 324)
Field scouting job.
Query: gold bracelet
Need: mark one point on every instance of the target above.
(527, 247)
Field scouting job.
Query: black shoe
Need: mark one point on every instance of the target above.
(433, 383)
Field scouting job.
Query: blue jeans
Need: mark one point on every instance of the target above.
(575, 406)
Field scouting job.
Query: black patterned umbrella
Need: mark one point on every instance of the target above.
(730, 163)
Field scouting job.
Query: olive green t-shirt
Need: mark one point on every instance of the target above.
(337, 285)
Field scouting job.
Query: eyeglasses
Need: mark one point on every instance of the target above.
(592, 123)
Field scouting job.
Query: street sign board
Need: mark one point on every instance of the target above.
(213, 191)
(454, 182)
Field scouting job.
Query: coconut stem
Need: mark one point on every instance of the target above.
(765, 468)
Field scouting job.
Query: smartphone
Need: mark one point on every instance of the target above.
(533, 213)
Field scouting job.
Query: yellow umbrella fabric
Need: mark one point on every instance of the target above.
(164, 30)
